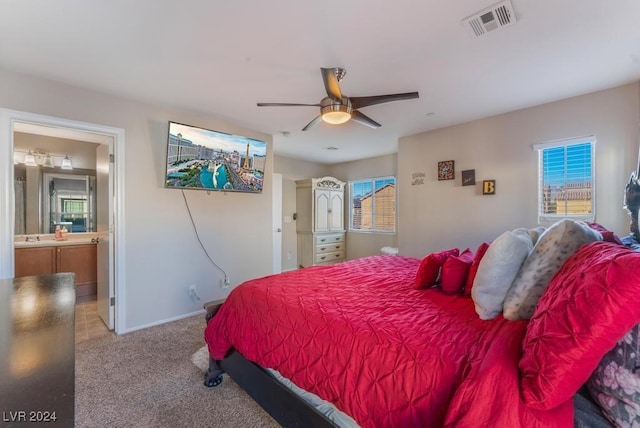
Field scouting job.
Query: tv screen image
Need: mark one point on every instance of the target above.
(199, 158)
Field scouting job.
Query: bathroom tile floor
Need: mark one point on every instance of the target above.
(89, 325)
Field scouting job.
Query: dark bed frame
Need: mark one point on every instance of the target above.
(288, 409)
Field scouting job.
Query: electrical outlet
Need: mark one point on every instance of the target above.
(289, 255)
(225, 282)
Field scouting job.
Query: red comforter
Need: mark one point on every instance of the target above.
(358, 335)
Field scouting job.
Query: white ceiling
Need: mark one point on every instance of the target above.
(221, 57)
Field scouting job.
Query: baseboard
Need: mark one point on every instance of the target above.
(164, 321)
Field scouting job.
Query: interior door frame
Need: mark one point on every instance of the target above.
(276, 197)
(8, 118)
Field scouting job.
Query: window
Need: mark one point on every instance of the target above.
(566, 180)
(372, 206)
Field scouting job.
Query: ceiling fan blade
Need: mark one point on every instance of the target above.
(313, 122)
(285, 105)
(331, 83)
(359, 102)
(364, 120)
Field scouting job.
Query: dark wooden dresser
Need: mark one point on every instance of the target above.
(37, 351)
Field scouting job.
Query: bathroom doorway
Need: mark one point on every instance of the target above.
(107, 144)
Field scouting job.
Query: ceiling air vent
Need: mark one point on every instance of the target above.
(497, 16)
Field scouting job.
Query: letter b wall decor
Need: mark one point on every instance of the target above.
(489, 187)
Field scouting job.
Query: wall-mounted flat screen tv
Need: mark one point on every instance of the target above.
(199, 158)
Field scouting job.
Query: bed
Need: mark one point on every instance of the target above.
(359, 335)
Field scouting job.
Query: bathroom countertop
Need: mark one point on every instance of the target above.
(49, 240)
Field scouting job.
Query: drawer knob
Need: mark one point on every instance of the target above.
(323, 248)
(323, 257)
(337, 247)
(322, 240)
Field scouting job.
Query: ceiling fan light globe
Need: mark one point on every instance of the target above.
(336, 114)
(336, 117)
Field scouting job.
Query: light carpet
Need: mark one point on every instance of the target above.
(147, 379)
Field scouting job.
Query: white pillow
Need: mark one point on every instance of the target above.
(554, 247)
(497, 269)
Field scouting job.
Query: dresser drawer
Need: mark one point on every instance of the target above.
(336, 256)
(329, 239)
(329, 248)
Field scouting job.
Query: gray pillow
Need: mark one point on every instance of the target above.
(497, 269)
(554, 247)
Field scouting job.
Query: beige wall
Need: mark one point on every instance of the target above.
(443, 214)
(163, 256)
(294, 169)
(362, 244)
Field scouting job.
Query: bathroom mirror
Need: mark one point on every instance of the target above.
(44, 200)
(68, 201)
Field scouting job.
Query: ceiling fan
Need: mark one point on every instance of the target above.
(336, 108)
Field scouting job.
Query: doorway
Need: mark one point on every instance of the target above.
(277, 222)
(110, 176)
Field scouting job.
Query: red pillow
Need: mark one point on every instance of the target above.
(429, 269)
(607, 235)
(454, 272)
(474, 267)
(588, 306)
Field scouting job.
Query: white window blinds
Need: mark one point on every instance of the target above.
(566, 180)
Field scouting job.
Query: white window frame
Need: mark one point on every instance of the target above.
(395, 205)
(548, 219)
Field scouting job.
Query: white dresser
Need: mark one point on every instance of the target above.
(320, 221)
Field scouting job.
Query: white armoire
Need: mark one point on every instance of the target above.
(320, 221)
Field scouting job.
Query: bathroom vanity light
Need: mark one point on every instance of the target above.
(66, 163)
(48, 162)
(30, 159)
(40, 158)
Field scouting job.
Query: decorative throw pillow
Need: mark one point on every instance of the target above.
(554, 247)
(454, 272)
(615, 384)
(482, 249)
(497, 270)
(429, 269)
(589, 305)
